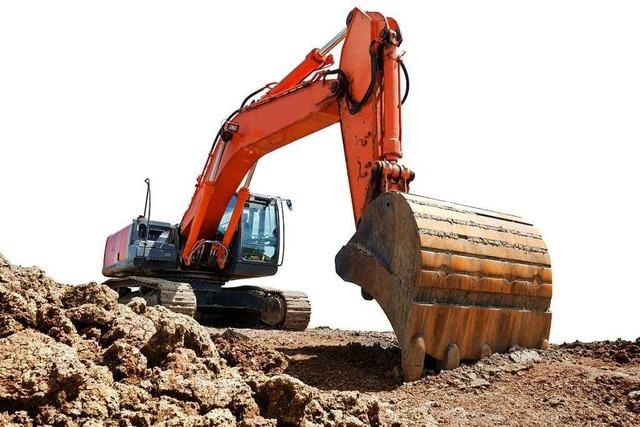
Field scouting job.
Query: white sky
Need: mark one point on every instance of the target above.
(531, 108)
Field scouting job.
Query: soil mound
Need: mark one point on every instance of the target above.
(620, 351)
(71, 355)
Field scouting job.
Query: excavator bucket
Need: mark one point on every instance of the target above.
(456, 282)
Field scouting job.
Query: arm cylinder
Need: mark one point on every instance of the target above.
(391, 144)
(315, 59)
(335, 40)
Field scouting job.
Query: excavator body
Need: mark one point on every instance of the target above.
(143, 260)
(456, 282)
(146, 247)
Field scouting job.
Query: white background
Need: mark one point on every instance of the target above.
(531, 108)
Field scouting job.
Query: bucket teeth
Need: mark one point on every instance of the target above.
(456, 282)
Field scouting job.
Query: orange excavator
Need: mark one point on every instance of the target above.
(456, 282)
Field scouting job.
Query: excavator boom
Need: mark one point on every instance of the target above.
(367, 106)
(262, 127)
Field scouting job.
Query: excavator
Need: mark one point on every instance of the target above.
(456, 282)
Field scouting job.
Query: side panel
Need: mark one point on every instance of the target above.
(116, 247)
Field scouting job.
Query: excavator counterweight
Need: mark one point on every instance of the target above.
(456, 282)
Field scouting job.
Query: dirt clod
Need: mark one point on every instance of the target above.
(35, 369)
(239, 350)
(125, 360)
(91, 293)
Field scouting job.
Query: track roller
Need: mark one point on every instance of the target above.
(288, 310)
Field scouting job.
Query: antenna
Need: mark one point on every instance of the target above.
(147, 215)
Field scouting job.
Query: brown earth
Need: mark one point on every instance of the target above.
(74, 356)
(571, 384)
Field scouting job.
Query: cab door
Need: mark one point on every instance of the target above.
(257, 247)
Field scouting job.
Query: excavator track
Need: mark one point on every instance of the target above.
(288, 310)
(298, 311)
(176, 296)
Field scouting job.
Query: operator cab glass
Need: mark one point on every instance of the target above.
(226, 217)
(259, 235)
(156, 233)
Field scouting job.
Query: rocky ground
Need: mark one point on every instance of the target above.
(571, 384)
(74, 356)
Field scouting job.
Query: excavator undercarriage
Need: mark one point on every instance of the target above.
(239, 306)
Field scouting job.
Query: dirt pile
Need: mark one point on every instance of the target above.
(71, 355)
(620, 351)
(74, 356)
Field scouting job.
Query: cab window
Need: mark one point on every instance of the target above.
(226, 217)
(156, 233)
(259, 232)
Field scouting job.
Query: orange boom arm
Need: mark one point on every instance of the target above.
(364, 95)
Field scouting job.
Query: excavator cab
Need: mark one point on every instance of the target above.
(258, 246)
(145, 247)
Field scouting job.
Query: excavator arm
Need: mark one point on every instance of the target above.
(363, 95)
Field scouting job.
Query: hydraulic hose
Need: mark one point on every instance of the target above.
(406, 79)
(232, 115)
